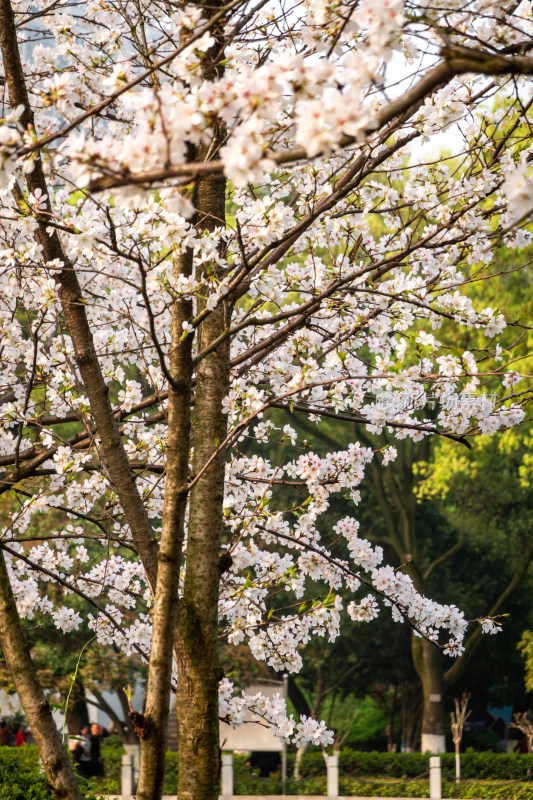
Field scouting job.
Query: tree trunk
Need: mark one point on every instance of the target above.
(410, 718)
(297, 698)
(428, 662)
(56, 762)
(77, 713)
(199, 674)
(298, 761)
(392, 745)
(153, 742)
(196, 632)
(197, 628)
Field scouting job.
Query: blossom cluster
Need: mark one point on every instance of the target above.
(239, 708)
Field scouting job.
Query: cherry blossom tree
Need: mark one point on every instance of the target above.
(186, 196)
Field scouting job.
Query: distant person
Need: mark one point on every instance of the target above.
(95, 740)
(74, 745)
(266, 761)
(105, 732)
(5, 731)
(20, 736)
(80, 748)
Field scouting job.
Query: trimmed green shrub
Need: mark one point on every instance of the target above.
(112, 752)
(478, 766)
(491, 790)
(21, 777)
(399, 775)
(485, 776)
(359, 787)
(170, 785)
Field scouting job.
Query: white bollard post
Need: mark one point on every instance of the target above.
(227, 776)
(127, 776)
(435, 790)
(134, 750)
(332, 765)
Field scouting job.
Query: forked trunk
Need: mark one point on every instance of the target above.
(197, 626)
(197, 646)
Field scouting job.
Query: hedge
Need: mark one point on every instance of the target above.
(21, 777)
(493, 790)
(398, 769)
(395, 775)
(487, 776)
(477, 766)
(357, 787)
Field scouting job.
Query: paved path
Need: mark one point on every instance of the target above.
(284, 797)
(277, 797)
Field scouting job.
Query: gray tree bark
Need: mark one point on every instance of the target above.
(197, 626)
(153, 745)
(56, 762)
